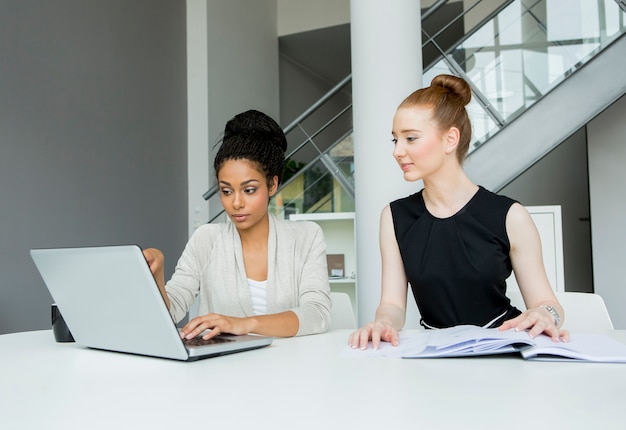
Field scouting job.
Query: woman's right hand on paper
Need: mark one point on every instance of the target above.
(376, 331)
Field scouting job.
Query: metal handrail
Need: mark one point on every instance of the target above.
(333, 91)
(345, 81)
(434, 8)
(323, 158)
(491, 112)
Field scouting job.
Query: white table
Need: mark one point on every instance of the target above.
(299, 383)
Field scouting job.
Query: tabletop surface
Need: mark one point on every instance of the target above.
(299, 383)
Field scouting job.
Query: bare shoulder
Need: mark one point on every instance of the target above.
(385, 214)
(386, 229)
(518, 216)
(520, 226)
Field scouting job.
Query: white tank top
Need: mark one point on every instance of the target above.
(258, 292)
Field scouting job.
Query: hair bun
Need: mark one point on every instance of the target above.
(454, 85)
(255, 124)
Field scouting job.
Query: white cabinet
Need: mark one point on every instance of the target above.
(338, 228)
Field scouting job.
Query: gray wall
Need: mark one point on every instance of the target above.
(585, 175)
(311, 64)
(242, 67)
(607, 176)
(92, 136)
(560, 178)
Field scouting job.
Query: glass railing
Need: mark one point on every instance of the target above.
(511, 52)
(525, 51)
(324, 185)
(446, 24)
(320, 168)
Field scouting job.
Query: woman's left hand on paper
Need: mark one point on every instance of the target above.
(536, 321)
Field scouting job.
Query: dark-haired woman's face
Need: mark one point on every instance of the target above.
(244, 192)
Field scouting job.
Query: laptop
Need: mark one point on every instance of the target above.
(110, 301)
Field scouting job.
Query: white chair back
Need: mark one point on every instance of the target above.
(584, 312)
(341, 312)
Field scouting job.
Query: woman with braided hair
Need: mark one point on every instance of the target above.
(255, 273)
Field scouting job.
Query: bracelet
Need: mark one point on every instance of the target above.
(555, 314)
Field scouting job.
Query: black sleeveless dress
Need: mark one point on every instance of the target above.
(457, 267)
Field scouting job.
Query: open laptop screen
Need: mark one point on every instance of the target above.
(110, 300)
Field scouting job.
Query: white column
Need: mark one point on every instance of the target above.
(197, 113)
(386, 67)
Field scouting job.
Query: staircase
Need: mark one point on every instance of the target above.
(567, 107)
(528, 61)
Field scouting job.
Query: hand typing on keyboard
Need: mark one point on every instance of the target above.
(211, 325)
(199, 341)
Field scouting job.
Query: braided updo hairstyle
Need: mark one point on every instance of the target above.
(447, 96)
(256, 137)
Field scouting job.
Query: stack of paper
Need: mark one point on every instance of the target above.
(468, 341)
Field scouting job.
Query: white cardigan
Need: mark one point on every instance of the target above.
(297, 277)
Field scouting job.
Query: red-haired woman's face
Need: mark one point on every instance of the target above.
(419, 146)
(244, 192)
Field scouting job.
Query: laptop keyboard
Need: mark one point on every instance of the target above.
(198, 341)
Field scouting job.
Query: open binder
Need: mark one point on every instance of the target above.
(471, 341)
(467, 340)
